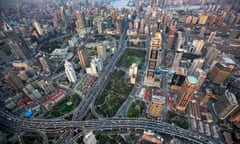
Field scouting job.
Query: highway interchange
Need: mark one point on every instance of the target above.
(66, 128)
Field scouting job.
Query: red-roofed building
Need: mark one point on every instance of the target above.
(24, 101)
(53, 99)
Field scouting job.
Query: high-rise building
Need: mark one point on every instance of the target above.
(212, 20)
(201, 76)
(133, 73)
(14, 80)
(101, 50)
(90, 138)
(212, 36)
(156, 105)
(203, 19)
(83, 58)
(142, 25)
(45, 62)
(176, 60)
(81, 21)
(186, 92)
(211, 54)
(206, 96)
(194, 20)
(109, 22)
(221, 18)
(151, 78)
(188, 20)
(198, 44)
(100, 25)
(38, 28)
(46, 86)
(222, 70)
(197, 63)
(202, 31)
(178, 78)
(70, 72)
(16, 43)
(180, 40)
(63, 14)
(136, 23)
(226, 105)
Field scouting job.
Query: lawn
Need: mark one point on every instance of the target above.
(62, 108)
(114, 94)
(136, 109)
(177, 119)
(131, 56)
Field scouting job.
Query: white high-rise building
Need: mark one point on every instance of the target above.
(96, 66)
(197, 63)
(89, 138)
(70, 72)
(176, 60)
(101, 50)
(133, 73)
(201, 76)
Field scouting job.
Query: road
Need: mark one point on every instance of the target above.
(112, 124)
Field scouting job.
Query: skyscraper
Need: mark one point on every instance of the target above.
(198, 44)
(203, 19)
(186, 93)
(197, 63)
(206, 96)
(211, 54)
(151, 78)
(101, 50)
(83, 58)
(178, 78)
(14, 80)
(46, 65)
(226, 105)
(156, 105)
(70, 72)
(133, 73)
(212, 36)
(17, 44)
(221, 70)
(176, 60)
(37, 27)
(201, 76)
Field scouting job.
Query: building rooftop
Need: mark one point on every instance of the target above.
(192, 79)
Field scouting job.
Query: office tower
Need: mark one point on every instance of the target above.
(100, 26)
(212, 36)
(136, 23)
(133, 73)
(45, 62)
(109, 22)
(38, 28)
(197, 63)
(212, 20)
(112, 13)
(16, 43)
(188, 20)
(83, 58)
(225, 105)
(180, 40)
(211, 54)
(151, 79)
(156, 104)
(12, 78)
(101, 50)
(81, 21)
(198, 44)
(46, 86)
(142, 25)
(194, 20)
(70, 72)
(203, 19)
(178, 78)
(176, 60)
(206, 96)
(63, 14)
(170, 38)
(186, 92)
(96, 66)
(222, 70)
(220, 19)
(187, 34)
(202, 31)
(90, 138)
(119, 24)
(22, 75)
(201, 76)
